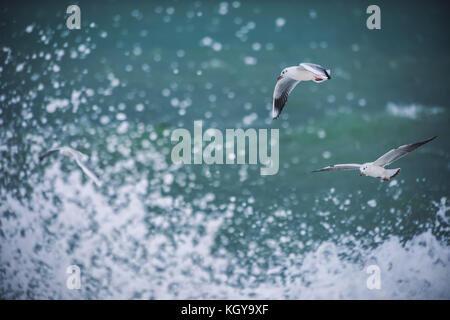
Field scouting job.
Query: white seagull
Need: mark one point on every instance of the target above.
(376, 169)
(79, 157)
(290, 77)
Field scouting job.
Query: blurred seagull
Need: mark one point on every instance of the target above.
(290, 77)
(376, 169)
(79, 157)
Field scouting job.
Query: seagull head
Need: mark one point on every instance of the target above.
(282, 74)
(363, 169)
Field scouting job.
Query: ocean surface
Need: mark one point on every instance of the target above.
(137, 70)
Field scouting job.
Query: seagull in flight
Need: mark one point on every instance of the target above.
(80, 158)
(376, 169)
(290, 77)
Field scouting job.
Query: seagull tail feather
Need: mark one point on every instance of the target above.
(394, 172)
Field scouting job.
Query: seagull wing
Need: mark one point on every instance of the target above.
(399, 152)
(87, 169)
(316, 69)
(82, 161)
(282, 90)
(50, 152)
(339, 167)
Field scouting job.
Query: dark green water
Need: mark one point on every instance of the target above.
(136, 71)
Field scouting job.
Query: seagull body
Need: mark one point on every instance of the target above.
(376, 169)
(290, 77)
(80, 158)
(372, 170)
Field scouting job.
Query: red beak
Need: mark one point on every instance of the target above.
(279, 77)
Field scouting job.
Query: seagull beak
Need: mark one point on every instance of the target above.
(279, 77)
(361, 173)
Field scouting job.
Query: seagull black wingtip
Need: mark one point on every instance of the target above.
(430, 139)
(42, 157)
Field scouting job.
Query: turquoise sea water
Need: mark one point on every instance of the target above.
(135, 71)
